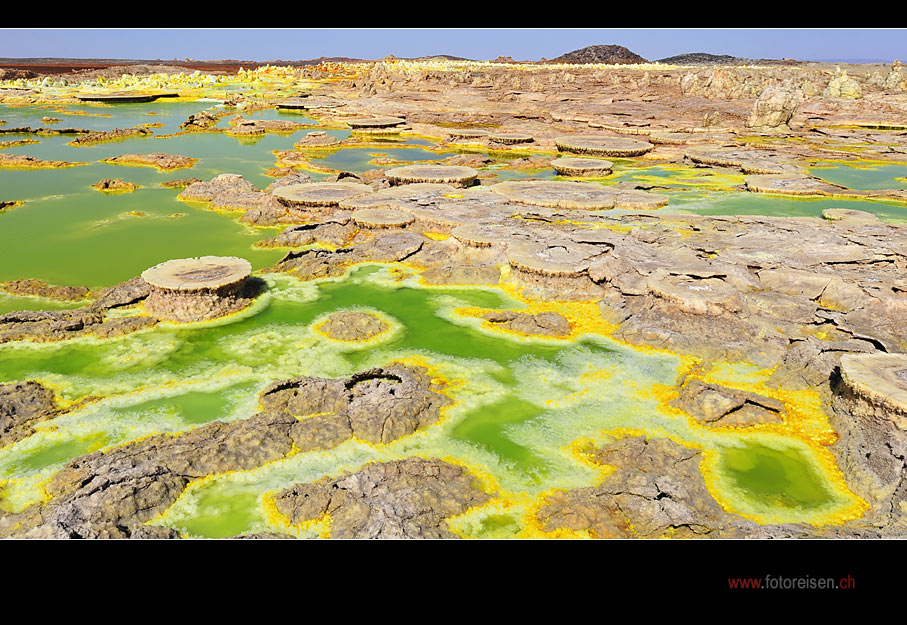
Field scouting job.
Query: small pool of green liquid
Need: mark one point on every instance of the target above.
(498, 526)
(722, 203)
(864, 178)
(773, 477)
(222, 515)
(487, 428)
(58, 453)
(192, 408)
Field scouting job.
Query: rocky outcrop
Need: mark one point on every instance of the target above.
(379, 406)
(353, 326)
(37, 288)
(115, 185)
(774, 109)
(160, 160)
(60, 325)
(408, 498)
(716, 405)
(539, 324)
(113, 494)
(608, 54)
(656, 490)
(203, 120)
(232, 192)
(106, 136)
(843, 86)
(23, 404)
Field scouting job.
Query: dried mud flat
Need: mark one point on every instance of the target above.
(810, 308)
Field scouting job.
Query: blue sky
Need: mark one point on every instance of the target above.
(521, 44)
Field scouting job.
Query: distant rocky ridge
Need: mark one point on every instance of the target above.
(704, 58)
(612, 55)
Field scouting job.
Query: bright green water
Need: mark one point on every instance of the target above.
(9, 303)
(356, 160)
(723, 203)
(862, 178)
(774, 476)
(488, 427)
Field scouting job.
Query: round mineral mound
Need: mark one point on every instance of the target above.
(441, 174)
(197, 289)
(582, 166)
(320, 193)
(511, 138)
(353, 326)
(603, 146)
(467, 133)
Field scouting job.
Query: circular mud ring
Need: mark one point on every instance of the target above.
(381, 218)
(510, 138)
(437, 174)
(582, 166)
(320, 194)
(603, 146)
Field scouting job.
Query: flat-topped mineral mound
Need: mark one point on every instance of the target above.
(381, 218)
(438, 174)
(875, 386)
(582, 166)
(320, 194)
(576, 195)
(374, 122)
(510, 138)
(467, 133)
(603, 146)
(196, 289)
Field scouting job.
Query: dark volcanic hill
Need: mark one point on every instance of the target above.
(611, 55)
(703, 58)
